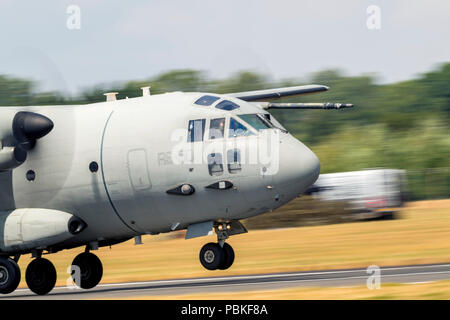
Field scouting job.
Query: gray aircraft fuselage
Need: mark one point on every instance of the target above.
(111, 164)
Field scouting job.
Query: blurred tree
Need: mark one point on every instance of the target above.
(241, 81)
(178, 80)
(14, 91)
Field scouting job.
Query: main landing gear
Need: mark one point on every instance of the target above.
(9, 275)
(220, 255)
(87, 270)
(86, 273)
(40, 276)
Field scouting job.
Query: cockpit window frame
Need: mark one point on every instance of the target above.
(267, 117)
(210, 120)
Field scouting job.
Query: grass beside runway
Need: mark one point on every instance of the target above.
(438, 290)
(420, 235)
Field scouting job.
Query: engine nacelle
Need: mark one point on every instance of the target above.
(30, 228)
(11, 157)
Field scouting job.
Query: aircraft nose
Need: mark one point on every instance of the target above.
(312, 165)
(299, 166)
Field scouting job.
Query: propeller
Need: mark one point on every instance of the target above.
(27, 127)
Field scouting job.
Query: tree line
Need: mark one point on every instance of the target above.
(401, 125)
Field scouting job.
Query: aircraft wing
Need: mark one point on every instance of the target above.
(268, 94)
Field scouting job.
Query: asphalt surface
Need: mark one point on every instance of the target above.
(326, 278)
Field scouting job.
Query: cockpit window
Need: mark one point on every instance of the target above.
(237, 129)
(216, 128)
(206, 100)
(227, 105)
(256, 121)
(215, 164)
(196, 130)
(234, 160)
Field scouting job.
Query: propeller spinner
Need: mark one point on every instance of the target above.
(30, 126)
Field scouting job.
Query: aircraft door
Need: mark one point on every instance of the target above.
(138, 170)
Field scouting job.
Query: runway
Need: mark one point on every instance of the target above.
(325, 278)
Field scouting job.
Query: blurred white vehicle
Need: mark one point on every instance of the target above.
(370, 193)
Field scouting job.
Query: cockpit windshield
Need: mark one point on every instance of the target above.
(261, 121)
(237, 129)
(256, 121)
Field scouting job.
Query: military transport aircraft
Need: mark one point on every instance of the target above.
(99, 174)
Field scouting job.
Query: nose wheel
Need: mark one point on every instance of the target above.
(229, 256)
(220, 255)
(214, 257)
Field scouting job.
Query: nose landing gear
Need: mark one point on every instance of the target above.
(213, 256)
(229, 256)
(219, 255)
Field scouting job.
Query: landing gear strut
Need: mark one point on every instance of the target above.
(218, 255)
(9, 275)
(90, 270)
(40, 276)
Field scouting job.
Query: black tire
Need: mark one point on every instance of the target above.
(212, 256)
(40, 276)
(91, 270)
(229, 256)
(9, 275)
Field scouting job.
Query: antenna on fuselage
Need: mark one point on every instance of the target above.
(146, 91)
(110, 96)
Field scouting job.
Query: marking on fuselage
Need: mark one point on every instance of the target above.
(165, 158)
(103, 175)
